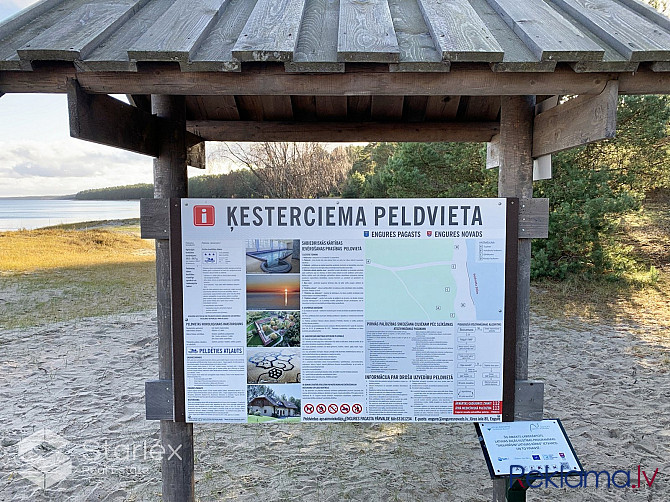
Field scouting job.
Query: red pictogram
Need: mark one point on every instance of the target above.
(357, 408)
(344, 408)
(320, 408)
(332, 408)
(203, 216)
(309, 409)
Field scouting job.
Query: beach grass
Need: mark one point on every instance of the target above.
(73, 271)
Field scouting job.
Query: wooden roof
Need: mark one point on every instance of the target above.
(374, 63)
(329, 35)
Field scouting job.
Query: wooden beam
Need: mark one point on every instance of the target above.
(579, 121)
(108, 121)
(343, 131)
(473, 82)
(480, 81)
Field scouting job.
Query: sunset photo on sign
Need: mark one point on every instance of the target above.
(280, 291)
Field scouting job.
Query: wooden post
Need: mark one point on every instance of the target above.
(516, 180)
(170, 180)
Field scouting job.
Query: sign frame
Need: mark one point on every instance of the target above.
(509, 319)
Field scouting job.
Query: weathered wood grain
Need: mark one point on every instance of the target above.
(331, 107)
(108, 121)
(154, 218)
(304, 108)
(249, 107)
(474, 81)
(480, 108)
(159, 397)
(545, 32)
(414, 108)
(112, 54)
(517, 56)
(343, 131)
(178, 32)
(386, 107)
(417, 50)
(635, 37)
(458, 32)
(647, 11)
(579, 121)
(493, 152)
(78, 33)
(277, 108)
(19, 20)
(533, 218)
(216, 51)
(442, 107)
(271, 33)
(358, 107)
(212, 107)
(366, 32)
(317, 42)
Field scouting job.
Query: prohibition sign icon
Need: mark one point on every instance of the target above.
(357, 408)
(344, 408)
(332, 409)
(309, 409)
(320, 408)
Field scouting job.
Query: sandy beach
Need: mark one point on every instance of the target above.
(84, 382)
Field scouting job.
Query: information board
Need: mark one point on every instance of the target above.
(539, 446)
(343, 310)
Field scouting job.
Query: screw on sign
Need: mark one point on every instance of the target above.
(332, 409)
(309, 409)
(356, 408)
(320, 408)
(344, 408)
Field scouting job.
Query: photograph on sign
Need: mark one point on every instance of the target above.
(388, 310)
(520, 448)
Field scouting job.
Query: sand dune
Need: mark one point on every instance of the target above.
(84, 381)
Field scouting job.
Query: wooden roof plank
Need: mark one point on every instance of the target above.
(112, 55)
(637, 38)
(417, 50)
(331, 107)
(517, 57)
(216, 51)
(358, 107)
(213, 107)
(442, 107)
(612, 60)
(178, 32)
(277, 108)
(81, 31)
(387, 107)
(271, 33)
(646, 10)
(548, 35)
(304, 108)
(19, 29)
(459, 33)
(317, 41)
(366, 33)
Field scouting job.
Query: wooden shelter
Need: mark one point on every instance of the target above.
(337, 70)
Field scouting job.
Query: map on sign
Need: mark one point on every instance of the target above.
(434, 280)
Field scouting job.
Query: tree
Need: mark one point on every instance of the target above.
(254, 391)
(294, 170)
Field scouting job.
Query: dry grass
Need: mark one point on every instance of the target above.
(62, 273)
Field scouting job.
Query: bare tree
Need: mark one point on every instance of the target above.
(293, 170)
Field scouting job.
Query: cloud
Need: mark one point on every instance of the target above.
(67, 166)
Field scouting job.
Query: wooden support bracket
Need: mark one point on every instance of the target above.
(529, 400)
(102, 119)
(159, 399)
(533, 218)
(155, 218)
(576, 122)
